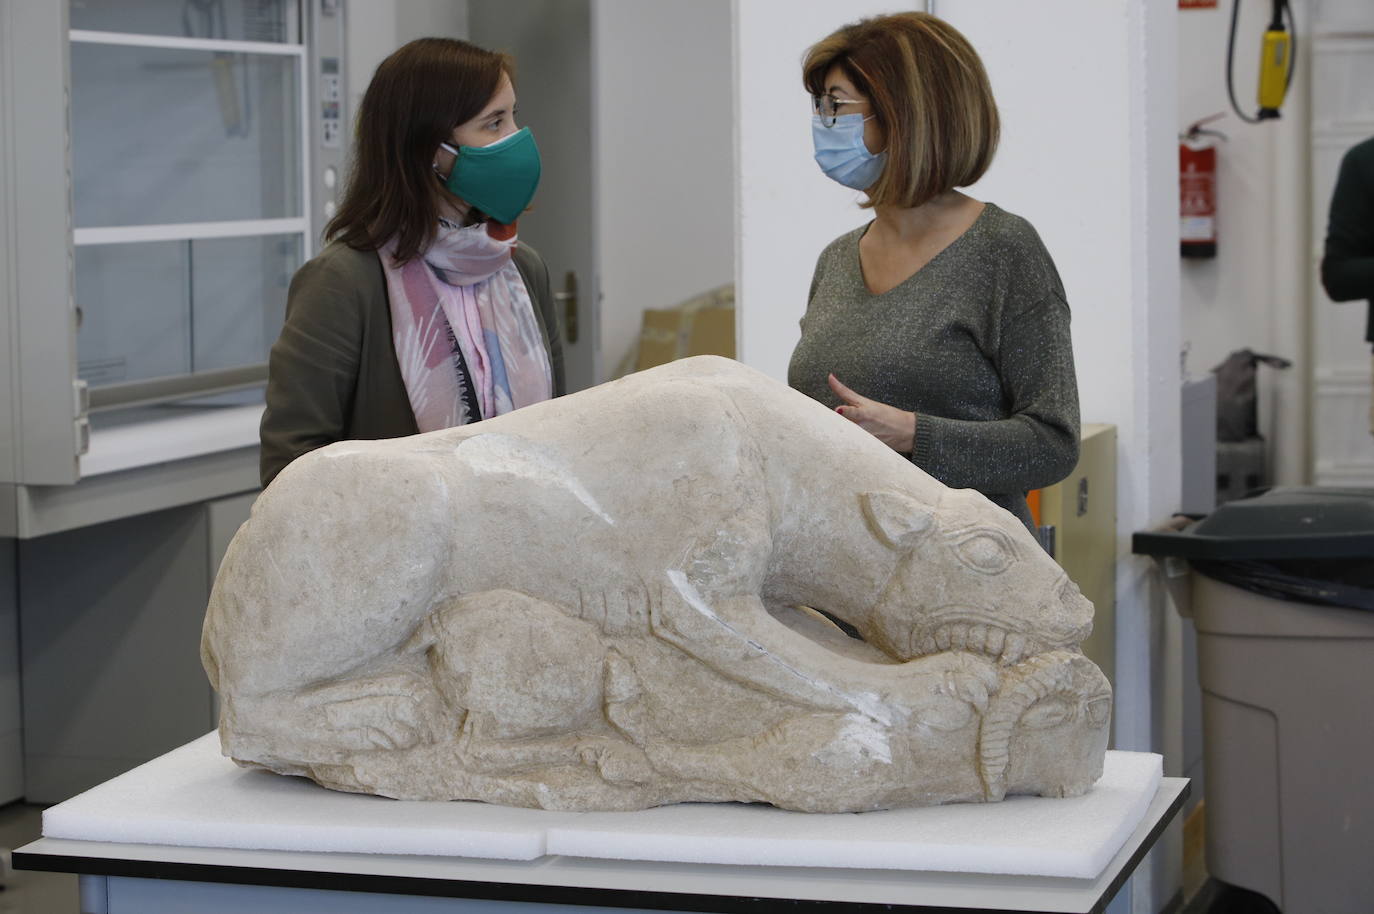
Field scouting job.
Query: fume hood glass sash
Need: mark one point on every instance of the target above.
(276, 21)
(190, 199)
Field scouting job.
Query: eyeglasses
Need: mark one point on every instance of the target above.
(828, 107)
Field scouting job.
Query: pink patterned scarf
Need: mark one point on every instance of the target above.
(463, 304)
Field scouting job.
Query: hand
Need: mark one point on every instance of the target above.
(892, 426)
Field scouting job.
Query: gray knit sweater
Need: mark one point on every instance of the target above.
(976, 343)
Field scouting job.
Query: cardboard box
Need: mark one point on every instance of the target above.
(1082, 510)
(704, 325)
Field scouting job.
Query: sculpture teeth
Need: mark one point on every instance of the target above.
(995, 639)
(981, 638)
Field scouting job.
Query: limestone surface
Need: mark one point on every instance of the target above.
(624, 598)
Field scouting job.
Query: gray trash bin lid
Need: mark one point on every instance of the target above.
(1300, 522)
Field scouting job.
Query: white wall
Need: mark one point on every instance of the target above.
(1254, 293)
(1088, 100)
(662, 158)
(787, 211)
(375, 28)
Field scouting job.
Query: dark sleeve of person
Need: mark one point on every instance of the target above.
(553, 333)
(1348, 261)
(312, 371)
(536, 275)
(1037, 444)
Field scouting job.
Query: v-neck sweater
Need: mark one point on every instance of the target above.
(975, 343)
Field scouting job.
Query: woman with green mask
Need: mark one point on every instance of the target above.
(424, 311)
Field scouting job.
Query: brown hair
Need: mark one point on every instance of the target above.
(416, 98)
(928, 89)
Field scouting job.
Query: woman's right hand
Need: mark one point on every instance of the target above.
(892, 426)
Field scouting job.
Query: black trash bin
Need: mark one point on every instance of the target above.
(1282, 590)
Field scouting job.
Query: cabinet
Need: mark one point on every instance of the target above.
(1082, 511)
(173, 164)
(11, 733)
(167, 166)
(111, 617)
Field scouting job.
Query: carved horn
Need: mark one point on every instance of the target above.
(1035, 679)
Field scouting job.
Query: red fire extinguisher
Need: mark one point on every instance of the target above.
(1197, 188)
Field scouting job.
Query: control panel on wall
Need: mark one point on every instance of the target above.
(329, 130)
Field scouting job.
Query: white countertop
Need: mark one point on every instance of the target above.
(186, 433)
(195, 797)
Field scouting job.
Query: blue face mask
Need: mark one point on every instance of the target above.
(841, 153)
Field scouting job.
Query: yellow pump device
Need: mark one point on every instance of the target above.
(1276, 61)
(1277, 53)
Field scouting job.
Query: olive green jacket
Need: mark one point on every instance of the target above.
(333, 374)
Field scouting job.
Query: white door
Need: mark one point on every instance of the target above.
(551, 43)
(1342, 62)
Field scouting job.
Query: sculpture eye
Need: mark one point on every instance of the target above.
(1050, 712)
(987, 551)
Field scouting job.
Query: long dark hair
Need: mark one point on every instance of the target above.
(416, 98)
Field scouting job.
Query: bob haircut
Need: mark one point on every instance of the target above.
(930, 92)
(416, 98)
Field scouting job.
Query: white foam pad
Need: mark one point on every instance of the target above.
(195, 797)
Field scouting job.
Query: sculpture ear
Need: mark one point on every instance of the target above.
(900, 521)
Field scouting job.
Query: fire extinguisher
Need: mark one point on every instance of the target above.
(1197, 189)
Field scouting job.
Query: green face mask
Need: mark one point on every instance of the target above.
(499, 179)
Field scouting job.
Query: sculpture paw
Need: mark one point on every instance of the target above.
(631, 719)
(625, 709)
(968, 682)
(395, 711)
(961, 689)
(617, 762)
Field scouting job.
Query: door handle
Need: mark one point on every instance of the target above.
(568, 298)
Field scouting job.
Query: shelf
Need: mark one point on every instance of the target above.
(185, 433)
(217, 45)
(187, 231)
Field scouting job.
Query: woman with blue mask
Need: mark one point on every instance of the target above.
(424, 310)
(941, 326)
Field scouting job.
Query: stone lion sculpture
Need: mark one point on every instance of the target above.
(608, 602)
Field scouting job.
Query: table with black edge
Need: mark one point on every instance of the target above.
(151, 879)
